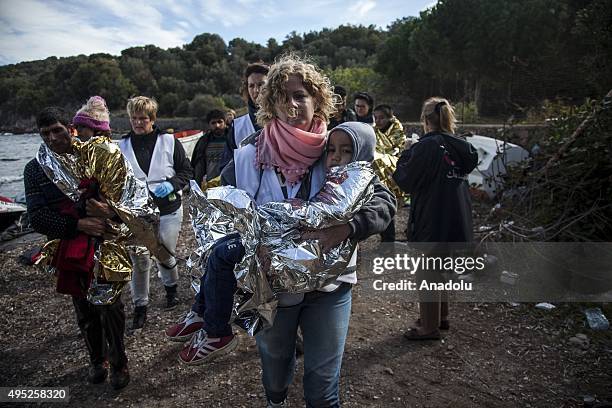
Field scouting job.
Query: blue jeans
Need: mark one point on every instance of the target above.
(215, 300)
(324, 320)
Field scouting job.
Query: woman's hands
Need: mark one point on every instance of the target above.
(163, 189)
(328, 237)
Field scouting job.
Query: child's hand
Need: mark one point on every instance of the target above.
(328, 237)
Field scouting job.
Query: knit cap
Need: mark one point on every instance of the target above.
(94, 114)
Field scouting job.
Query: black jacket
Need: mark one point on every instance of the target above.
(434, 172)
(373, 218)
(143, 146)
(203, 162)
(369, 119)
(348, 115)
(44, 200)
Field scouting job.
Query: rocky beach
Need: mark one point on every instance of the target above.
(494, 355)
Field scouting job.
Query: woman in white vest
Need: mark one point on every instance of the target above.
(253, 80)
(160, 160)
(283, 161)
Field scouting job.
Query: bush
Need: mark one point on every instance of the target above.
(233, 101)
(182, 109)
(466, 112)
(168, 104)
(549, 110)
(201, 104)
(356, 79)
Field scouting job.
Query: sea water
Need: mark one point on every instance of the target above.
(15, 152)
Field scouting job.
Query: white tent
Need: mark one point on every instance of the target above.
(493, 157)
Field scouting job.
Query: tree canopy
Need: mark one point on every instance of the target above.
(503, 57)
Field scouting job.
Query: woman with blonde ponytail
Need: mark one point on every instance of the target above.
(438, 115)
(434, 172)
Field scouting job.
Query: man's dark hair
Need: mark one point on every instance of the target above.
(339, 89)
(51, 115)
(215, 114)
(365, 96)
(386, 109)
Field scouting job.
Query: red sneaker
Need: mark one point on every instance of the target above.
(202, 348)
(185, 328)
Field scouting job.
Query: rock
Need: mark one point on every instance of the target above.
(545, 306)
(596, 319)
(388, 370)
(579, 342)
(508, 277)
(582, 336)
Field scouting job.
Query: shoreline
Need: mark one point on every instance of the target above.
(121, 126)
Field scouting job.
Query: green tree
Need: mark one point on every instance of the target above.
(207, 48)
(168, 104)
(201, 104)
(501, 55)
(593, 31)
(139, 74)
(293, 42)
(174, 85)
(29, 101)
(102, 77)
(356, 79)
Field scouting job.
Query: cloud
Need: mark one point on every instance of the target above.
(36, 29)
(219, 12)
(363, 7)
(429, 5)
(55, 28)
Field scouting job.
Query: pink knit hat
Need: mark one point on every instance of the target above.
(94, 114)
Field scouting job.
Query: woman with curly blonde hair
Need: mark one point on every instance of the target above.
(284, 160)
(275, 97)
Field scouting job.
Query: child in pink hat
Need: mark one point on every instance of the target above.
(92, 119)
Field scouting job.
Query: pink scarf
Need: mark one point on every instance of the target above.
(290, 149)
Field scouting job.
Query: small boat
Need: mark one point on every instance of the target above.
(189, 138)
(9, 212)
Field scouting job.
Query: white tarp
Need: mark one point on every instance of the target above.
(493, 157)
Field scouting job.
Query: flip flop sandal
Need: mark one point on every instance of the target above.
(413, 334)
(444, 324)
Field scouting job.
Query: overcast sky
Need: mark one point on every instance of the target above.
(36, 29)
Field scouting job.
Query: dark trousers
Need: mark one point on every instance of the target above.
(388, 235)
(433, 304)
(215, 300)
(102, 327)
